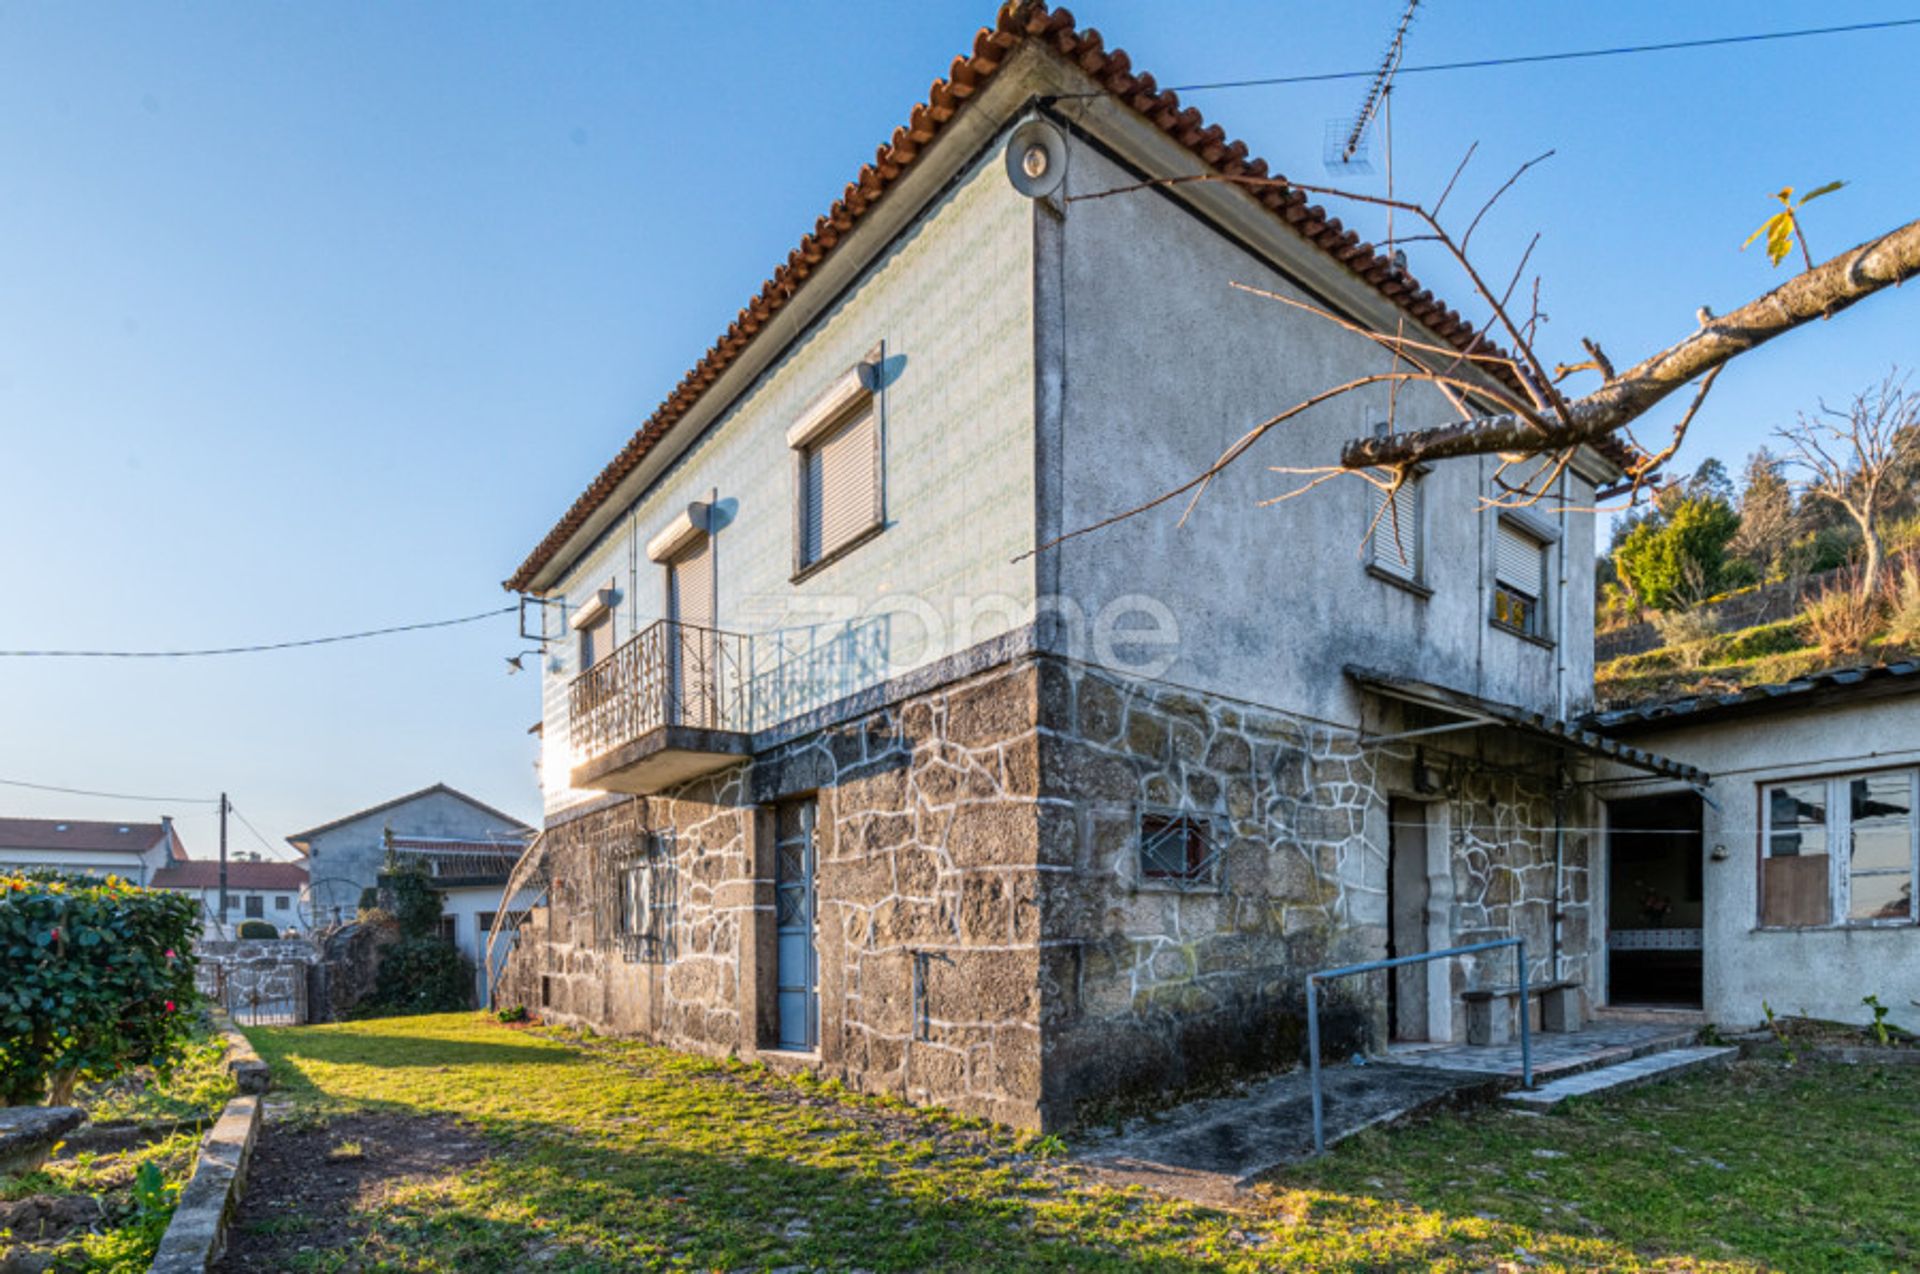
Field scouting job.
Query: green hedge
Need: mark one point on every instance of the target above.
(97, 978)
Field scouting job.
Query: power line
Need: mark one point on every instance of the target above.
(1620, 50)
(113, 796)
(264, 843)
(251, 650)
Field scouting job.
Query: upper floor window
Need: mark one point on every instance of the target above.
(1519, 579)
(593, 623)
(837, 493)
(1394, 545)
(1842, 850)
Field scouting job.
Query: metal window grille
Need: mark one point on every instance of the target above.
(1177, 850)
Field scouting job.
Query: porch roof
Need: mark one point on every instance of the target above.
(1475, 711)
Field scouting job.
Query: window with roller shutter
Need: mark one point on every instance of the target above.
(1395, 546)
(837, 496)
(1520, 579)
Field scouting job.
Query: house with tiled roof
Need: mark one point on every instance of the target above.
(857, 758)
(466, 847)
(93, 847)
(257, 889)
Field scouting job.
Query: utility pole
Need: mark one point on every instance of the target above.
(223, 862)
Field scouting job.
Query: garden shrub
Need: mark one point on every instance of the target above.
(256, 929)
(423, 972)
(98, 978)
(1840, 621)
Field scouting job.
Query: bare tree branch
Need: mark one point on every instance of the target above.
(1819, 293)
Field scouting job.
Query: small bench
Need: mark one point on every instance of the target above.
(1491, 1011)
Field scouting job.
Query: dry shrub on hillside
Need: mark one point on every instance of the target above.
(1903, 601)
(1839, 620)
(1687, 634)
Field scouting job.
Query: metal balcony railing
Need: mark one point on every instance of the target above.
(668, 674)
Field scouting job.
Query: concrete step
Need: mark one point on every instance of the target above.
(1644, 1069)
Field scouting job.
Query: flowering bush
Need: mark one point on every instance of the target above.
(96, 977)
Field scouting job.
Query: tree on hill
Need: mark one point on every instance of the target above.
(1853, 457)
(1768, 521)
(1679, 559)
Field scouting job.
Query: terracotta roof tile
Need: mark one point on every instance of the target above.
(202, 873)
(1017, 20)
(80, 834)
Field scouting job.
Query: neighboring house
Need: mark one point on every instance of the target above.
(844, 766)
(132, 851)
(1792, 883)
(257, 889)
(467, 848)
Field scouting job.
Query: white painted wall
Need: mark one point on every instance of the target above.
(130, 866)
(951, 301)
(466, 904)
(1811, 972)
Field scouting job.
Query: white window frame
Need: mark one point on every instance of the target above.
(854, 395)
(1839, 827)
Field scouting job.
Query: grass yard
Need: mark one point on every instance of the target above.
(454, 1143)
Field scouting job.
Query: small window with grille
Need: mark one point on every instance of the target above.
(1176, 851)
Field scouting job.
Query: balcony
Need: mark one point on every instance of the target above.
(670, 705)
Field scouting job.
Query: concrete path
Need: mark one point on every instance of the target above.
(1207, 1150)
(1601, 1044)
(1639, 1070)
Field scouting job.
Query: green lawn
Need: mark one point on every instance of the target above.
(612, 1155)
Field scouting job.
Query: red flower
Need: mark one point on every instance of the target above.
(169, 953)
(169, 1006)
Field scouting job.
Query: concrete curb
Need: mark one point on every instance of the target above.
(197, 1234)
(249, 1072)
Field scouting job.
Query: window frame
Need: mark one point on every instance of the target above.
(646, 876)
(1545, 540)
(1837, 787)
(1414, 578)
(1205, 876)
(855, 395)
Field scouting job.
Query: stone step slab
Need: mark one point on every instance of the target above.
(1622, 1075)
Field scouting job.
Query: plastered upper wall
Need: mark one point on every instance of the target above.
(1812, 972)
(950, 300)
(1160, 365)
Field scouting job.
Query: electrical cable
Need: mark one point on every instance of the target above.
(264, 843)
(255, 649)
(1477, 64)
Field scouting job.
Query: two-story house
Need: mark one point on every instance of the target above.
(91, 847)
(849, 765)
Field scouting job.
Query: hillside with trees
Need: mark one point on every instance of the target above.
(1809, 560)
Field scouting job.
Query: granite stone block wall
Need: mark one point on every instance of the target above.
(987, 937)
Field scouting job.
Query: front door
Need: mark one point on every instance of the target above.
(1656, 908)
(1407, 899)
(797, 978)
(690, 638)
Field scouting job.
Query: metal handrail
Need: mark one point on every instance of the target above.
(1374, 966)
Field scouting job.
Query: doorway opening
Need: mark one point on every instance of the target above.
(1655, 901)
(797, 960)
(1409, 896)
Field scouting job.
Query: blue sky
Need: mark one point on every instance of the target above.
(313, 318)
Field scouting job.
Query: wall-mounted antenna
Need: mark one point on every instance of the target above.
(1347, 139)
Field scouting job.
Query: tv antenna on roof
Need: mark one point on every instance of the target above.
(1347, 139)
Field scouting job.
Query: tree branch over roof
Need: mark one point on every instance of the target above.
(1818, 293)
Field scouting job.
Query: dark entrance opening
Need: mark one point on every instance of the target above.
(1655, 915)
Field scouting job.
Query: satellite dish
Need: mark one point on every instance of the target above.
(329, 901)
(1036, 159)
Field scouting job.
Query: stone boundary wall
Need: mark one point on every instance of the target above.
(197, 1234)
(243, 972)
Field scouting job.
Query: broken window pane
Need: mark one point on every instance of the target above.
(1797, 819)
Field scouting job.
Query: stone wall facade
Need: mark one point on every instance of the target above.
(987, 936)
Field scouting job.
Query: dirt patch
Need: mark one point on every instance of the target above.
(47, 1219)
(311, 1187)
